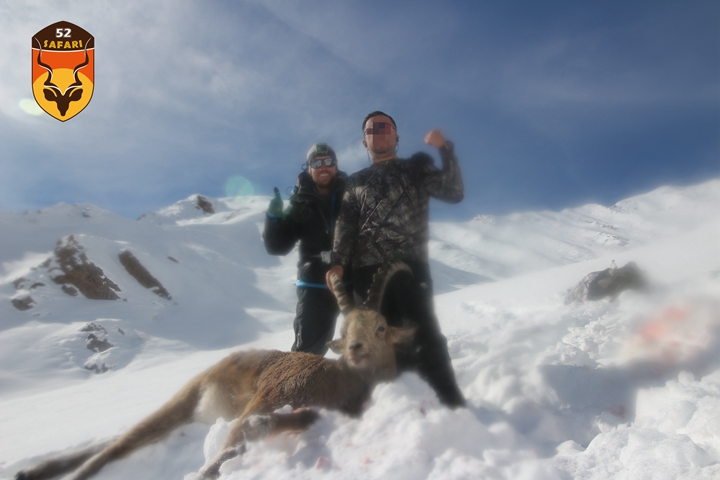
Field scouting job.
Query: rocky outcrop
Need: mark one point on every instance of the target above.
(141, 274)
(70, 290)
(608, 283)
(22, 300)
(78, 271)
(96, 344)
(23, 303)
(202, 203)
(71, 269)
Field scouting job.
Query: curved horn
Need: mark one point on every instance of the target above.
(48, 81)
(345, 301)
(78, 83)
(380, 280)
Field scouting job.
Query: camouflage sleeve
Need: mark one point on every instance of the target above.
(346, 228)
(446, 184)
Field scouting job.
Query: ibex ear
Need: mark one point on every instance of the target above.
(337, 346)
(401, 335)
(76, 95)
(50, 94)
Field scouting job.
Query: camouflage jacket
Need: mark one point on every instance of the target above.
(384, 214)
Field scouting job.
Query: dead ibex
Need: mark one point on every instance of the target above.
(251, 385)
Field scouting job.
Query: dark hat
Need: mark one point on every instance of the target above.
(321, 150)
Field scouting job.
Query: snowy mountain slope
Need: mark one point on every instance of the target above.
(621, 389)
(501, 247)
(204, 269)
(639, 340)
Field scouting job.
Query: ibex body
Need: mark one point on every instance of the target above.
(251, 385)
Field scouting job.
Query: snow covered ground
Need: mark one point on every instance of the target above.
(623, 389)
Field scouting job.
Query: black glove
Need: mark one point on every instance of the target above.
(276, 205)
(275, 209)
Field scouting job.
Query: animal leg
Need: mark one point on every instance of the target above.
(257, 427)
(176, 412)
(233, 446)
(62, 463)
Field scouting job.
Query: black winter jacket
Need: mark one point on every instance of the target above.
(311, 220)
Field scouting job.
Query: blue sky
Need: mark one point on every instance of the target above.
(551, 104)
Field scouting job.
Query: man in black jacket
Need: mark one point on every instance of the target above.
(384, 218)
(310, 218)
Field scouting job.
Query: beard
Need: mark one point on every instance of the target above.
(324, 181)
(383, 149)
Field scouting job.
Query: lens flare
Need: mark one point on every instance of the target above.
(238, 186)
(30, 106)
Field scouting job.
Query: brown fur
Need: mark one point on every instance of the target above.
(251, 385)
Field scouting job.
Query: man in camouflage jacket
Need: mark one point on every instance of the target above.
(384, 218)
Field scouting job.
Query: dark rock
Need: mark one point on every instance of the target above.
(72, 291)
(78, 271)
(202, 203)
(93, 327)
(141, 274)
(610, 282)
(97, 345)
(97, 369)
(24, 303)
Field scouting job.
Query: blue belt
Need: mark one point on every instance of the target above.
(301, 283)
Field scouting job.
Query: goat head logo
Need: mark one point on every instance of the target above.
(63, 69)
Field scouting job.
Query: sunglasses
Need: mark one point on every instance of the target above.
(380, 128)
(319, 162)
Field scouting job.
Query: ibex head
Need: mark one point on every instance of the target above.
(52, 92)
(367, 341)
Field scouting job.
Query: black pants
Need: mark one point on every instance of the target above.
(408, 299)
(314, 325)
